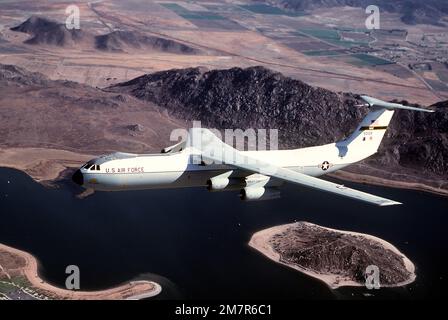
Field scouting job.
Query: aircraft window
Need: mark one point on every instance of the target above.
(90, 167)
(97, 167)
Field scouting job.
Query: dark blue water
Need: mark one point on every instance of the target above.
(194, 242)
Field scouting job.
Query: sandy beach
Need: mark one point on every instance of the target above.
(260, 242)
(15, 262)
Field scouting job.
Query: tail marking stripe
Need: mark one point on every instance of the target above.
(373, 128)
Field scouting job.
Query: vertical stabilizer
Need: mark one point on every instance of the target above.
(367, 138)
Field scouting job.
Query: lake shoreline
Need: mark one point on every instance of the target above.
(382, 182)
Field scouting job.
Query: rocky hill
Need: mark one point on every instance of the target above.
(48, 32)
(411, 11)
(45, 31)
(259, 98)
(249, 98)
(125, 40)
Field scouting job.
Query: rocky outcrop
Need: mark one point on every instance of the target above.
(417, 140)
(250, 98)
(118, 41)
(10, 74)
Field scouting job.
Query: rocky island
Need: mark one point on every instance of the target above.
(338, 258)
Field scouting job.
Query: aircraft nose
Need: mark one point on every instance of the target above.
(78, 178)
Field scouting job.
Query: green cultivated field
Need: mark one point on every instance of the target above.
(317, 53)
(201, 18)
(6, 287)
(367, 59)
(174, 7)
(332, 36)
(348, 29)
(201, 15)
(323, 34)
(363, 60)
(348, 44)
(21, 281)
(188, 14)
(266, 9)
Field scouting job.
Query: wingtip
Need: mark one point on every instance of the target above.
(425, 110)
(390, 105)
(389, 203)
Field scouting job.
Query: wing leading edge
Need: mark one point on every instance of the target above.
(213, 150)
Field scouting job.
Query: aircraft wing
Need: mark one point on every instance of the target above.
(213, 150)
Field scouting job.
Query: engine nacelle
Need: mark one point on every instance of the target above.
(224, 184)
(215, 184)
(259, 193)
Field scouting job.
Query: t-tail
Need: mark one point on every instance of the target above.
(367, 138)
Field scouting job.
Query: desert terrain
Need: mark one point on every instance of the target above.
(311, 47)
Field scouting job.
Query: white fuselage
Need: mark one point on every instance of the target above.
(179, 169)
(121, 171)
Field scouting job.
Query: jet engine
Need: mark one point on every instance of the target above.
(217, 184)
(224, 184)
(259, 193)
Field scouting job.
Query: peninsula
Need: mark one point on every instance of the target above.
(19, 280)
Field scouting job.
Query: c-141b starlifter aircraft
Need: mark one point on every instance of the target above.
(204, 160)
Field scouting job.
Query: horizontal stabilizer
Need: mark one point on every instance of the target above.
(390, 106)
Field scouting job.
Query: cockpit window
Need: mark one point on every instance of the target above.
(88, 165)
(91, 166)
